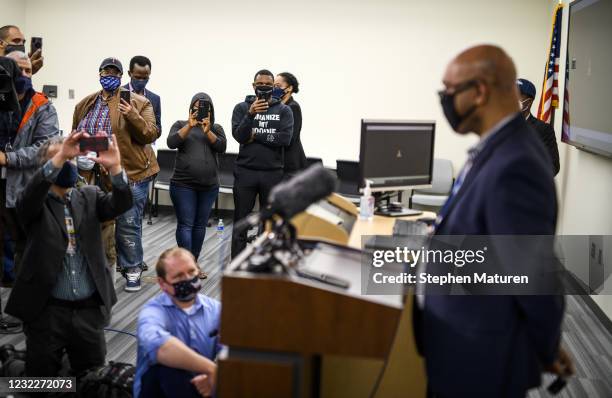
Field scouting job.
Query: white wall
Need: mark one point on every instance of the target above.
(12, 12)
(354, 59)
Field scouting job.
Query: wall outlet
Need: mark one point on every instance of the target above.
(71, 93)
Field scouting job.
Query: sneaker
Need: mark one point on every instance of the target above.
(144, 266)
(132, 279)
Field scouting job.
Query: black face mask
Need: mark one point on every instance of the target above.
(264, 92)
(67, 176)
(448, 106)
(186, 290)
(14, 47)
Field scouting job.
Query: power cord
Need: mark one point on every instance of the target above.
(120, 331)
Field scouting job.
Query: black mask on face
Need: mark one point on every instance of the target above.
(450, 111)
(14, 47)
(67, 176)
(186, 290)
(264, 92)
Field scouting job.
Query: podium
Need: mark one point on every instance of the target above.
(293, 337)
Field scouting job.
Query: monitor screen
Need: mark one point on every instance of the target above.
(396, 154)
(588, 120)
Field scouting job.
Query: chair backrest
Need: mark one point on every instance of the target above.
(311, 161)
(348, 177)
(442, 179)
(226, 169)
(165, 159)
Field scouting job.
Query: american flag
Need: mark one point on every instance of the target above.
(549, 97)
(566, 117)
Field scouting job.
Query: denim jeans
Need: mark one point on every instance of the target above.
(128, 229)
(192, 209)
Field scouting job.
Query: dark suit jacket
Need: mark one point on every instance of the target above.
(495, 345)
(47, 241)
(547, 135)
(156, 102)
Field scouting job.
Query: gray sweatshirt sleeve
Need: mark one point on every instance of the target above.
(45, 126)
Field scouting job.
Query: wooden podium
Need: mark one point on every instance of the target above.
(293, 337)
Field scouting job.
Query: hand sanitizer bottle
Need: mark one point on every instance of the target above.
(366, 204)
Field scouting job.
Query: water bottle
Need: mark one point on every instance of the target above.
(221, 238)
(220, 229)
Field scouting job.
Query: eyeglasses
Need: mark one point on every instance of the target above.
(459, 88)
(105, 73)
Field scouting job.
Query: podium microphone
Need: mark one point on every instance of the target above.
(293, 196)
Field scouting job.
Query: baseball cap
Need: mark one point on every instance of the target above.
(526, 87)
(111, 62)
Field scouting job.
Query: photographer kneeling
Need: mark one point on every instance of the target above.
(64, 291)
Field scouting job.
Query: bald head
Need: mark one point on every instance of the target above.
(484, 79)
(489, 63)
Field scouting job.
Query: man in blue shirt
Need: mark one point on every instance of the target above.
(177, 333)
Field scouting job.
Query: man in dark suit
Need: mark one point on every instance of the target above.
(492, 345)
(64, 291)
(527, 92)
(140, 72)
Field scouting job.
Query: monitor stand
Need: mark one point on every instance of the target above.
(392, 209)
(403, 212)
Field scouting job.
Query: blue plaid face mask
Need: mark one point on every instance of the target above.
(110, 83)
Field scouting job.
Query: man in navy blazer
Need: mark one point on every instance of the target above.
(139, 72)
(492, 345)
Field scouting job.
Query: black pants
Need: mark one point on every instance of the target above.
(248, 184)
(163, 382)
(78, 331)
(9, 223)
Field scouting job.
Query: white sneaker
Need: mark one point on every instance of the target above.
(132, 279)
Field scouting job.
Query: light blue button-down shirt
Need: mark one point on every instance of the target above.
(160, 319)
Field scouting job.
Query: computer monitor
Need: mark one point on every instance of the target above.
(396, 154)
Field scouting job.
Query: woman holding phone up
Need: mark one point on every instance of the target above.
(194, 186)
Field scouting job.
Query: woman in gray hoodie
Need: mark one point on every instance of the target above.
(194, 186)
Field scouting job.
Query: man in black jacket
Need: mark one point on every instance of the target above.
(64, 291)
(545, 131)
(263, 126)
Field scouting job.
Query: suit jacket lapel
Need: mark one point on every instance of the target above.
(57, 209)
(480, 162)
(76, 208)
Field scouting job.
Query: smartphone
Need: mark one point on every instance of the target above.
(125, 95)
(203, 109)
(97, 143)
(35, 44)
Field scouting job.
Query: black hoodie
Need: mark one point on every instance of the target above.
(273, 130)
(196, 160)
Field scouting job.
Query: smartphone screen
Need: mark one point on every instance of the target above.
(203, 109)
(35, 44)
(93, 144)
(125, 95)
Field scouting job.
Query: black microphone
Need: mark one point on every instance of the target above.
(293, 196)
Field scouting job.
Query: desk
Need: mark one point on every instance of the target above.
(378, 225)
(404, 371)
